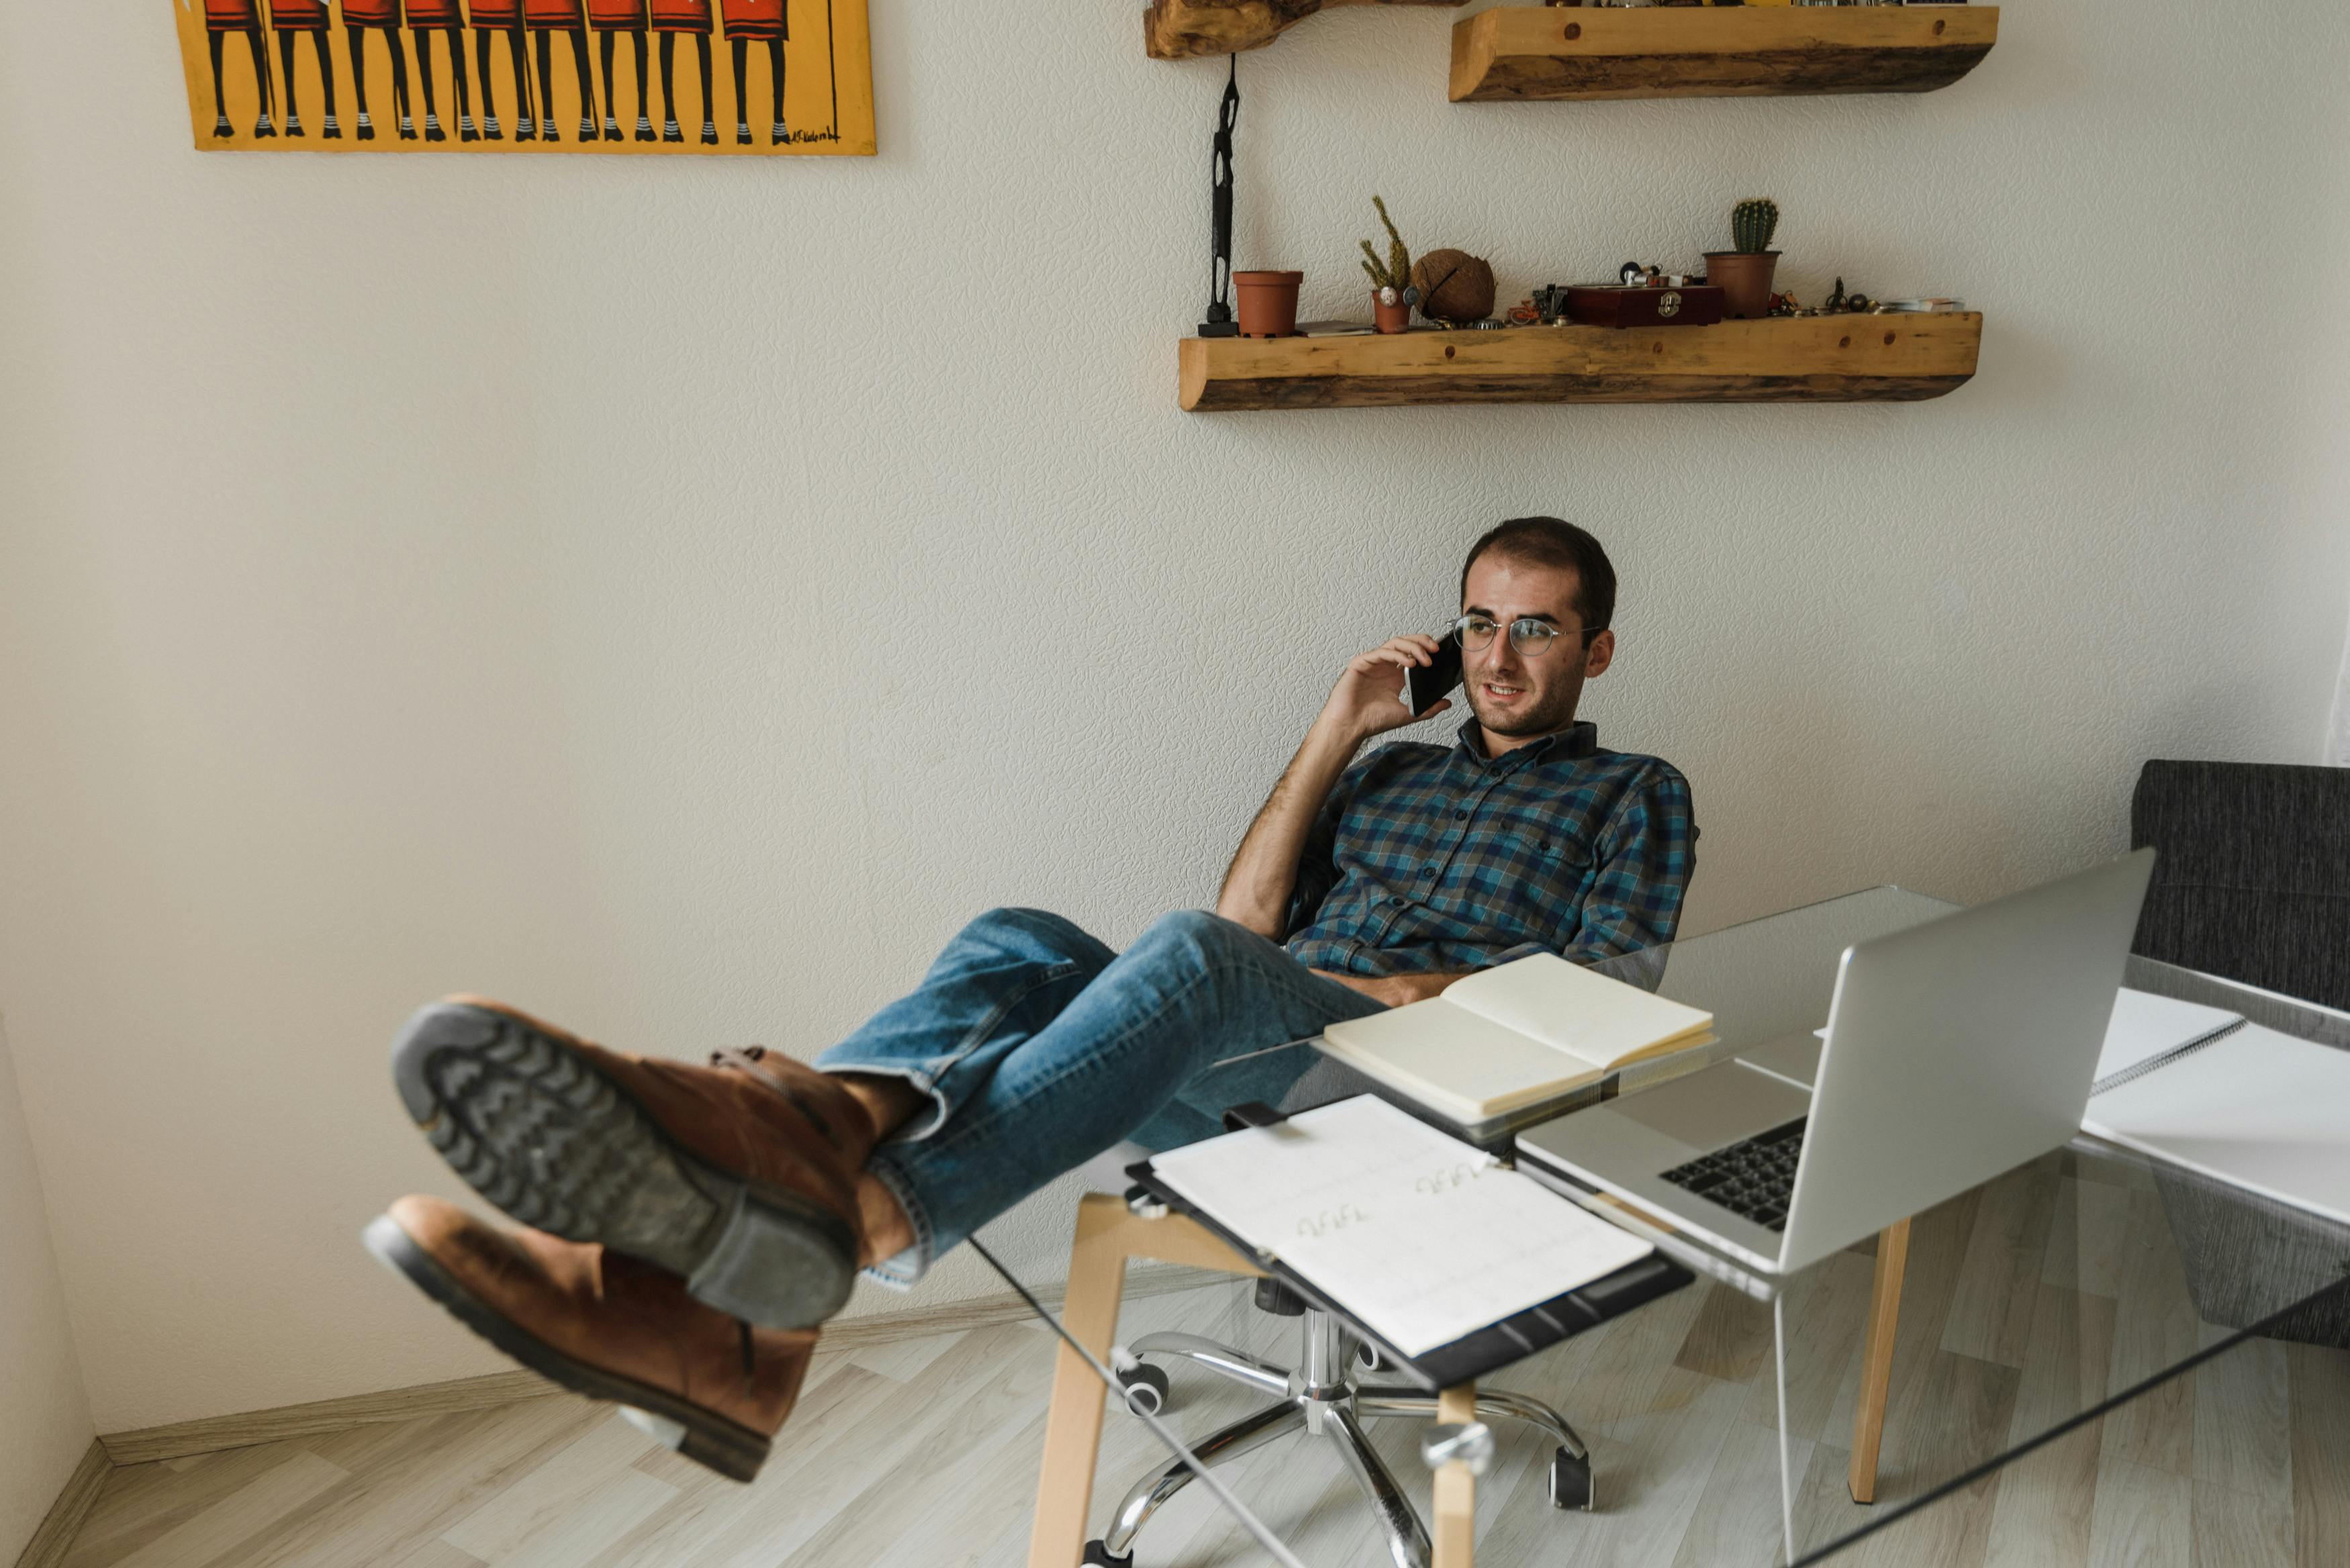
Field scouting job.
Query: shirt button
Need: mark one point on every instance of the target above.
(1460, 816)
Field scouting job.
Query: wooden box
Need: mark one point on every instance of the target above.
(1609, 305)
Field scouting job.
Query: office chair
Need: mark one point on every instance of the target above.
(2251, 869)
(2251, 883)
(1328, 1393)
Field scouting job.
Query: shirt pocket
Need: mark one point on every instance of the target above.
(1546, 863)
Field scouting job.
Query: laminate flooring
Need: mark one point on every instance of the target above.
(2026, 1299)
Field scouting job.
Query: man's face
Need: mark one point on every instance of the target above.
(1515, 696)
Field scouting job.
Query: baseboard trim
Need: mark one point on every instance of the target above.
(211, 1434)
(63, 1521)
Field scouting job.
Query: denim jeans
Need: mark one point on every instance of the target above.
(1039, 1048)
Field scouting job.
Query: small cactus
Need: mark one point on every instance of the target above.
(1751, 225)
(1395, 272)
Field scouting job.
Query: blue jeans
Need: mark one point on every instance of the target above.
(1039, 1048)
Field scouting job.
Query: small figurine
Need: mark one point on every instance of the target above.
(1524, 313)
(1834, 301)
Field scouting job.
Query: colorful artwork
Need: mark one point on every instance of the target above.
(795, 76)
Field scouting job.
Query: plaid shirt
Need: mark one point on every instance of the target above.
(1435, 859)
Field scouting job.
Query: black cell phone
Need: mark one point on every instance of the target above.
(1426, 684)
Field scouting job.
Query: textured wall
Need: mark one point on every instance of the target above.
(48, 1427)
(675, 595)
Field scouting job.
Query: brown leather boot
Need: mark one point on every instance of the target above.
(740, 1177)
(709, 1385)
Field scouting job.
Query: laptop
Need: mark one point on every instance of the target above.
(1955, 1050)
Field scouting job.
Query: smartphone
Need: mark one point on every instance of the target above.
(1425, 684)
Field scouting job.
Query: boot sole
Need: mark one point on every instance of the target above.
(535, 1126)
(735, 1452)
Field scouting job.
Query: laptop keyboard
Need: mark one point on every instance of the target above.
(1751, 1180)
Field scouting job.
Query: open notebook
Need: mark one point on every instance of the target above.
(1424, 1237)
(1514, 1035)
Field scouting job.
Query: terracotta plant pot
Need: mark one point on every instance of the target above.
(1267, 301)
(1744, 279)
(1396, 318)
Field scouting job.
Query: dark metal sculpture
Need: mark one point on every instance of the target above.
(1220, 322)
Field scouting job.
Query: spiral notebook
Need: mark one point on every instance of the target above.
(1424, 1237)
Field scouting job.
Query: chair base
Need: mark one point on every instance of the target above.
(1323, 1396)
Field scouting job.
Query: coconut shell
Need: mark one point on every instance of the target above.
(1454, 286)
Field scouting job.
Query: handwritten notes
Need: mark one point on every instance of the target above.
(1423, 1237)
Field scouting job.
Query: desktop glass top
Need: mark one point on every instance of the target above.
(2091, 1348)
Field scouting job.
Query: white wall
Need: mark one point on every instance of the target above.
(47, 1428)
(675, 595)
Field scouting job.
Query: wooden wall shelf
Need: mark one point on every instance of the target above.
(1520, 52)
(1791, 359)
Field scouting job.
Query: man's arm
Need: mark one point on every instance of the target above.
(1365, 701)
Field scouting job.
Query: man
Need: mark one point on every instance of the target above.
(383, 16)
(291, 18)
(611, 18)
(670, 19)
(570, 17)
(426, 17)
(223, 18)
(490, 18)
(764, 20)
(695, 1224)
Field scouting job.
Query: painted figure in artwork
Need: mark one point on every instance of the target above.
(757, 20)
(360, 16)
(223, 18)
(548, 17)
(291, 18)
(492, 17)
(426, 17)
(611, 18)
(672, 17)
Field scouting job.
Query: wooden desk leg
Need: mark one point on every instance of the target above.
(1456, 1486)
(1877, 1359)
(1073, 1422)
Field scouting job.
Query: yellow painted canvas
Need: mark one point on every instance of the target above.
(704, 77)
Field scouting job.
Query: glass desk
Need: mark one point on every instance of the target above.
(2095, 1357)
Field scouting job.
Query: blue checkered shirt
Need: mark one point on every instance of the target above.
(1436, 859)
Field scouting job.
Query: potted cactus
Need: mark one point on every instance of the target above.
(1743, 273)
(1392, 294)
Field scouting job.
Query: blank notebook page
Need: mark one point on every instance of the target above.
(1422, 1236)
(2256, 1109)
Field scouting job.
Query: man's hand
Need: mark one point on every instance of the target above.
(1263, 872)
(1369, 699)
(1393, 990)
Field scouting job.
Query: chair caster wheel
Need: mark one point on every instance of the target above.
(1570, 1481)
(1097, 1556)
(1368, 1356)
(1145, 1388)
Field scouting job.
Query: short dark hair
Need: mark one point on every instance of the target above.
(1555, 542)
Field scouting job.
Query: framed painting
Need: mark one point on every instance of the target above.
(699, 77)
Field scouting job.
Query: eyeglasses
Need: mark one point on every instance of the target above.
(1530, 637)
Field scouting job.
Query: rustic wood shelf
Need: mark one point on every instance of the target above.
(1187, 29)
(1789, 359)
(1520, 52)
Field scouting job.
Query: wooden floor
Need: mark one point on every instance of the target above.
(2026, 1299)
